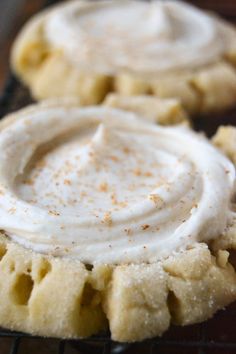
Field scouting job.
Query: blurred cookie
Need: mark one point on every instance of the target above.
(163, 48)
(108, 220)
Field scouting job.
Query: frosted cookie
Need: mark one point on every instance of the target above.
(107, 222)
(168, 49)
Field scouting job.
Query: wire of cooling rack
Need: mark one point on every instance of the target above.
(104, 345)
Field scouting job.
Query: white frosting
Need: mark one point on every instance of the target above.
(137, 36)
(105, 186)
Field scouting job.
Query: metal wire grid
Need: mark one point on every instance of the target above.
(14, 97)
(104, 345)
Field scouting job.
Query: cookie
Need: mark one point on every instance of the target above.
(112, 221)
(167, 49)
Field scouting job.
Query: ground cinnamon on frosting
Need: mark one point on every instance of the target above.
(169, 192)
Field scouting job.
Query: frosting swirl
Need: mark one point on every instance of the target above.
(101, 185)
(137, 36)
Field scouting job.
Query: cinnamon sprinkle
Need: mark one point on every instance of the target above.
(53, 212)
(67, 182)
(155, 198)
(145, 227)
(107, 219)
(103, 187)
(12, 210)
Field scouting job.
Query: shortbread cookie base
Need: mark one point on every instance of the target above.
(48, 73)
(225, 139)
(63, 298)
(154, 109)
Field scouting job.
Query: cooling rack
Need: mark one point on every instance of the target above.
(216, 336)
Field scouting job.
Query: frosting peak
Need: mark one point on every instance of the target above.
(137, 36)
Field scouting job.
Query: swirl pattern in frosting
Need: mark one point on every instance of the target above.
(137, 36)
(101, 185)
